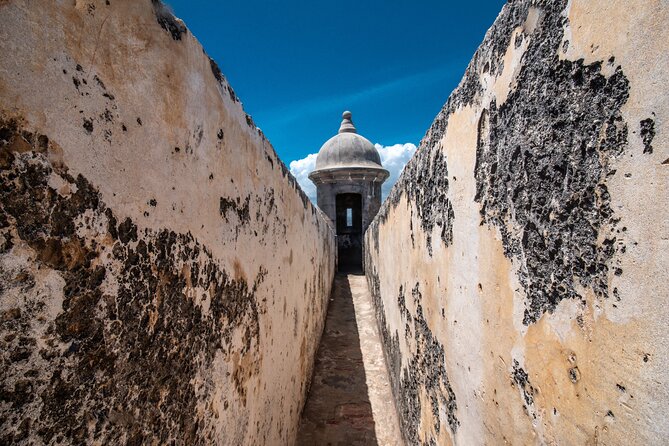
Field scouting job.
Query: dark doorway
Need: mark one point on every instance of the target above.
(349, 232)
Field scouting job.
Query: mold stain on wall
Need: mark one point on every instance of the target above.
(534, 324)
(141, 257)
(542, 165)
(82, 375)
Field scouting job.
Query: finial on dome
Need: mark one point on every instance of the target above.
(346, 123)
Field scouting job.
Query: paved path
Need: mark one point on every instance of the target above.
(350, 401)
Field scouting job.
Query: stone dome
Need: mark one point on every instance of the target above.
(347, 149)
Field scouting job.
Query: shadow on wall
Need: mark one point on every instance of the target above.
(338, 409)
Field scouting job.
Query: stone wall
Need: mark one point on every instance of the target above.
(369, 191)
(163, 279)
(519, 266)
(350, 240)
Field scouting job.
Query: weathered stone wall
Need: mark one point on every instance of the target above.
(370, 193)
(163, 279)
(350, 241)
(519, 266)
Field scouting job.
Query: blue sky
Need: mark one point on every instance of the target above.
(296, 65)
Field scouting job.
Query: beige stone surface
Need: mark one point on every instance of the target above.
(236, 262)
(595, 367)
(350, 401)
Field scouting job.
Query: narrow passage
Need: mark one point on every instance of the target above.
(350, 401)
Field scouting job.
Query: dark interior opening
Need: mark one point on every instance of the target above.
(349, 232)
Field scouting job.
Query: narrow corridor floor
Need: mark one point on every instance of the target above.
(350, 400)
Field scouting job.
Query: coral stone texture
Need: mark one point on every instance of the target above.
(519, 267)
(163, 279)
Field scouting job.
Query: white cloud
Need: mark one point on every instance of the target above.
(393, 159)
(301, 170)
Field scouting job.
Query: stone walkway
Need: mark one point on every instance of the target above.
(350, 401)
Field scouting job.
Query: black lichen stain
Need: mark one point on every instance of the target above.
(425, 370)
(574, 375)
(428, 190)
(430, 194)
(232, 94)
(402, 306)
(424, 179)
(88, 125)
(218, 74)
(391, 346)
(647, 127)
(242, 211)
(542, 161)
(127, 231)
(107, 116)
(520, 378)
(269, 159)
(249, 121)
(270, 153)
(221, 81)
(167, 21)
(136, 350)
(101, 84)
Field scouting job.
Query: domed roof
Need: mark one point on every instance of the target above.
(347, 149)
